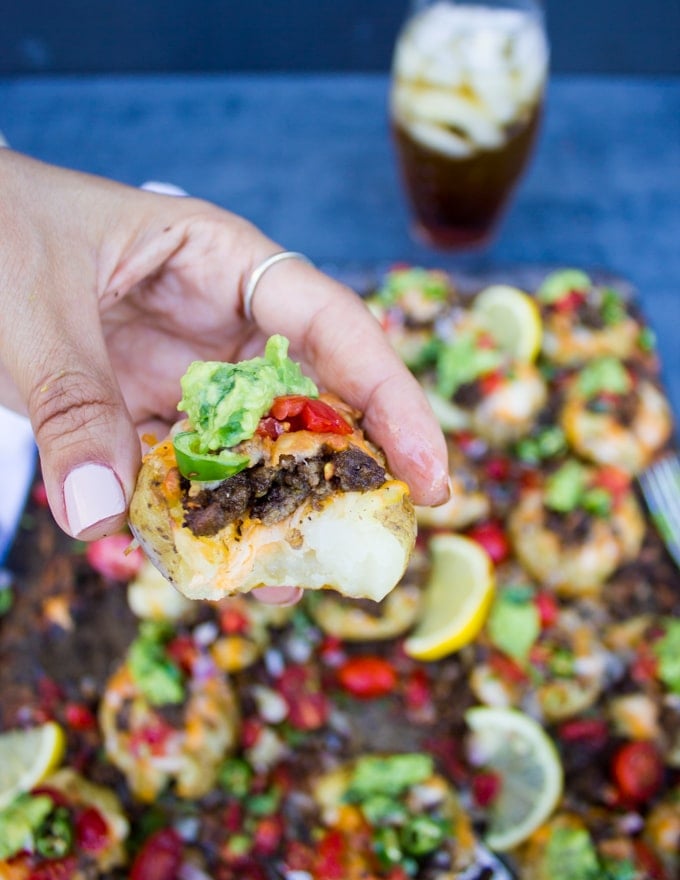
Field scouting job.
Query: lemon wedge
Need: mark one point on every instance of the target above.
(27, 757)
(457, 597)
(514, 746)
(513, 319)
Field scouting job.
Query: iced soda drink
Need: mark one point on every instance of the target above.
(466, 97)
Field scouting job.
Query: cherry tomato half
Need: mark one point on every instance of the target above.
(638, 770)
(367, 677)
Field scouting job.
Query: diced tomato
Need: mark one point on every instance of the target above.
(233, 621)
(570, 302)
(159, 858)
(299, 856)
(79, 717)
(92, 831)
(491, 382)
(491, 536)
(184, 651)
(251, 729)
(645, 665)
(39, 494)
(55, 869)
(269, 427)
(112, 558)
(614, 480)
(548, 608)
(332, 651)
(647, 860)
(152, 737)
(308, 711)
(486, 787)
(268, 835)
(331, 854)
(233, 817)
(497, 468)
(417, 690)
(367, 677)
(590, 732)
(50, 694)
(57, 797)
(506, 668)
(638, 771)
(308, 707)
(309, 414)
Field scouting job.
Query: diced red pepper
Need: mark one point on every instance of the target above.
(491, 536)
(269, 427)
(309, 414)
(548, 608)
(159, 858)
(486, 787)
(638, 771)
(91, 831)
(367, 677)
(111, 557)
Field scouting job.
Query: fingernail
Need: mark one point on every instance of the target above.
(278, 595)
(92, 494)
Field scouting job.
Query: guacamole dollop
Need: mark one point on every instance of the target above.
(225, 402)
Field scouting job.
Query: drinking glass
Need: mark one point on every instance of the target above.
(467, 90)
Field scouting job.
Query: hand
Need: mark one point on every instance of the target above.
(109, 292)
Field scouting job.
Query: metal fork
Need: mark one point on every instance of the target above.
(660, 484)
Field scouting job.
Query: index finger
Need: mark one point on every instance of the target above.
(333, 330)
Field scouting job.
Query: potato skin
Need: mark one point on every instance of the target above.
(358, 543)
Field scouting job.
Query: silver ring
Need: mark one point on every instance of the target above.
(257, 274)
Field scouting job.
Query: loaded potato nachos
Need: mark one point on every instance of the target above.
(510, 709)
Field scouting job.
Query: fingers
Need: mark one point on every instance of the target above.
(334, 331)
(54, 353)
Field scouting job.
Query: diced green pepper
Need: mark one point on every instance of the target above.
(422, 835)
(236, 776)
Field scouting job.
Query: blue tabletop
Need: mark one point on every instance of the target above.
(308, 158)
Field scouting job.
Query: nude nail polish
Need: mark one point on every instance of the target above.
(92, 493)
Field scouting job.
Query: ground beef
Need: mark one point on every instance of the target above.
(573, 528)
(468, 395)
(590, 316)
(271, 494)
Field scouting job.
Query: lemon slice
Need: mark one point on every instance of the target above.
(512, 318)
(457, 597)
(27, 757)
(513, 745)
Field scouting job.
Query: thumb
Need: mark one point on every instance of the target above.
(89, 449)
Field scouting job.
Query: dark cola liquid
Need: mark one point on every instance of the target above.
(457, 201)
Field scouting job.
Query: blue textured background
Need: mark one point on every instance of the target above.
(611, 36)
